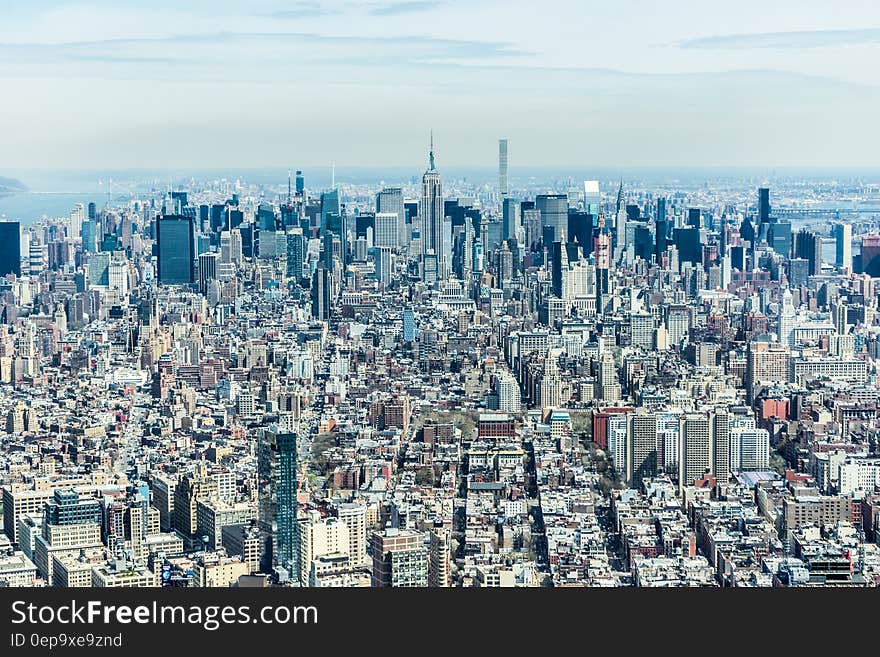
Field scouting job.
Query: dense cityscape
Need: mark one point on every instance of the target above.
(444, 383)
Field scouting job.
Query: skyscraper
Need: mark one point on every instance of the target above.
(207, 270)
(697, 444)
(321, 294)
(10, 248)
(554, 212)
(510, 218)
(400, 558)
(763, 205)
(843, 244)
(174, 238)
(786, 319)
(592, 197)
(89, 236)
(295, 249)
(559, 268)
(387, 230)
(431, 210)
(329, 207)
(502, 168)
(602, 250)
(382, 263)
(390, 199)
(620, 221)
(277, 481)
(768, 363)
(641, 459)
(808, 245)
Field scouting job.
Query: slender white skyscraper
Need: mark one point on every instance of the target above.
(503, 188)
(431, 208)
(787, 318)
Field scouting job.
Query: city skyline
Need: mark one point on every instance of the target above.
(101, 85)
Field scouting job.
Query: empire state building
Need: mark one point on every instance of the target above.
(431, 209)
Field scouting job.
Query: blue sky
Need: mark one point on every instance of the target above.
(267, 83)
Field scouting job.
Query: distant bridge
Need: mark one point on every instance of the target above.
(812, 212)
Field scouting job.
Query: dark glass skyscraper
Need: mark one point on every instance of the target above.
(174, 238)
(580, 230)
(321, 294)
(276, 466)
(763, 205)
(10, 248)
(295, 250)
(329, 207)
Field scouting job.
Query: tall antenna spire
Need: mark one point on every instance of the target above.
(431, 153)
(288, 187)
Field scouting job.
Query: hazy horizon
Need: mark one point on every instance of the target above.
(94, 84)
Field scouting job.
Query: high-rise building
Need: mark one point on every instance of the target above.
(175, 244)
(870, 257)
(10, 248)
(355, 517)
(98, 269)
(592, 197)
(431, 210)
(382, 264)
(503, 188)
(554, 213)
(390, 199)
(207, 270)
(609, 381)
(510, 218)
(321, 294)
(508, 392)
(89, 236)
(409, 325)
(843, 245)
(763, 205)
(641, 459)
(439, 557)
(295, 250)
(768, 363)
(749, 449)
(696, 459)
(559, 268)
(642, 330)
(808, 245)
(386, 230)
(329, 208)
(678, 323)
(602, 251)
(400, 558)
(787, 319)
(721, 444)
(277, 481)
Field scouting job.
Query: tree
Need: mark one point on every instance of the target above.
(425, 476)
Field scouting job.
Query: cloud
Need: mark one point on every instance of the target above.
(405, 7)
(785, 40)
(259, 52)
(305, 9)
